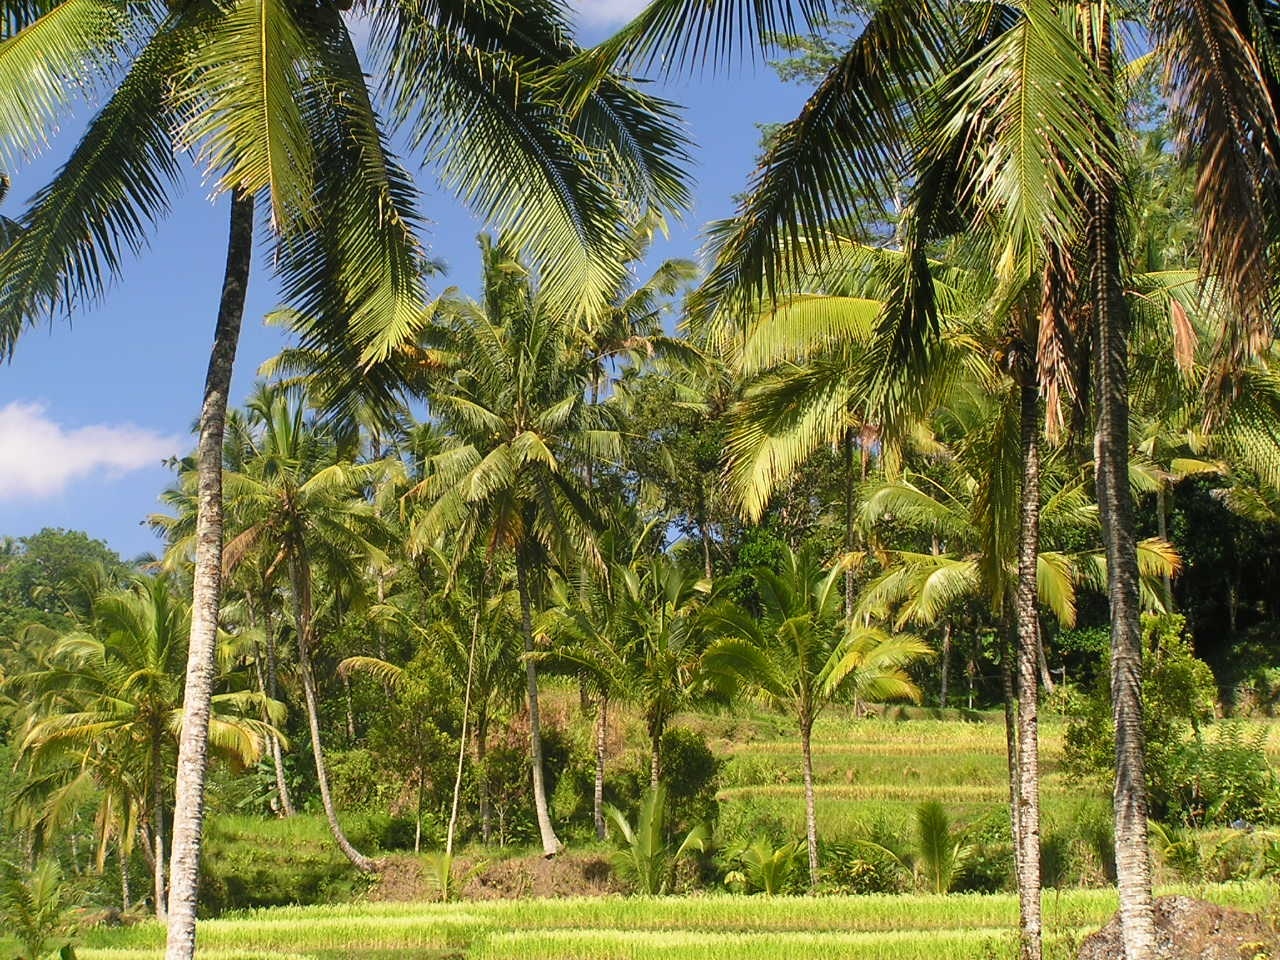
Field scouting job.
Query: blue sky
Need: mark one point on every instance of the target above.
(88, 410)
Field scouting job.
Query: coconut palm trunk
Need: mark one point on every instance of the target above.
(655, 754)
(300, 577)
(1028, 622)
(482, 775)
(193, 744)
(810, 805)
(602, 738)
(550, 842)
(267, 687)
(157, 826)
(1011, 746)
(1133, 864)
(1111, 458)
(850, 522)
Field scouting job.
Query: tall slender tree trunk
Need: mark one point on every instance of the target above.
(462, 743)
(273, 690)
(602, 739)
(157, 828)
(655, 755)
(126, 896)
(1046, 676)
(1111, 457)
(193, 745)
(351, 713)
(946, 663)
(1162, 530)
(301, 583)
(1027, 611)
(704, 534)
(810, 803)
(267, 687)
(1011, 748)
(547, 833)
(482, 773)
(850, 530)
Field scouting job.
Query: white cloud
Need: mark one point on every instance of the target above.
(607, 12)
(39, 457)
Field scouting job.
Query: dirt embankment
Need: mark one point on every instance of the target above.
(408, 878)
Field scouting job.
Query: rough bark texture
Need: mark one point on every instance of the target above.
(810, 808)
(1028, 621)
(1133, 862)
(300, 575)
(550, 842)
(602, 738)
(193, 745)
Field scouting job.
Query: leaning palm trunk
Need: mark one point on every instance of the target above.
(550, 842)
(810, 807)
(301, 582)
(1111, 456)
(1028, 621)
(193, 745)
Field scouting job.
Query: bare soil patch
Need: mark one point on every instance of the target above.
(1190, 929)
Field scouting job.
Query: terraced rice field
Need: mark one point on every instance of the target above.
(867, 770)
(875, 769)
(955, 927)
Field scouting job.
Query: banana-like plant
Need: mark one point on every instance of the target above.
(646, 855)
(940, 852)
(35, 909)
(768, 868)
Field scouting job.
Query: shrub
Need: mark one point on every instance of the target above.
(1191, 780)
(852, 868)
(1221, 781)
(690, 774)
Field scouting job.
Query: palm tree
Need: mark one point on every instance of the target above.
(276, 107)
(666, 635)
(798, 652)
(294, 495)
(587, 626)
(1037, 87)
(517, 423)
(107, 711)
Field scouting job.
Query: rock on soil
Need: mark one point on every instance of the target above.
(1190, 929)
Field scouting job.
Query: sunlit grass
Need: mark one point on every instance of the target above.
(681, 928)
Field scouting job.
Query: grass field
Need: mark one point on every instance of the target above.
(869, 770)
(955, 927)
